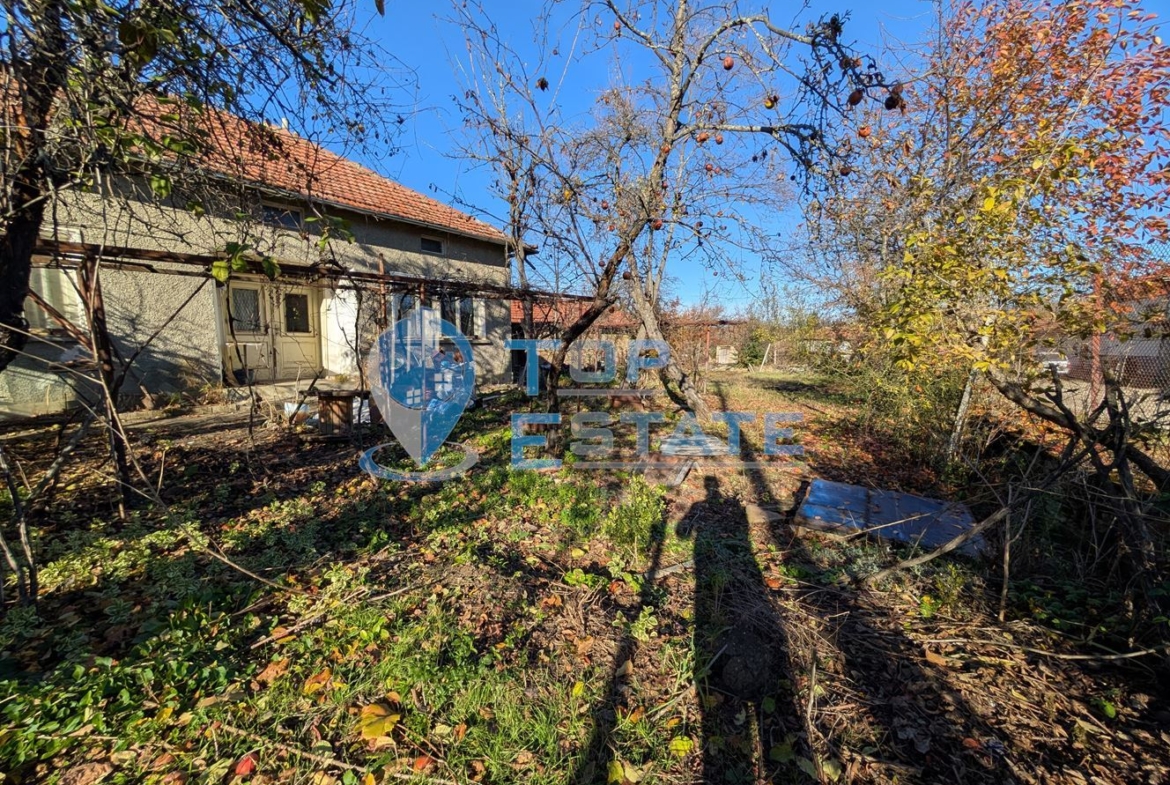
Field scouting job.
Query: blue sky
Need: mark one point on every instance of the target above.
(418, 35)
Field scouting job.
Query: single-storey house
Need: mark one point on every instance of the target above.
(356, 251)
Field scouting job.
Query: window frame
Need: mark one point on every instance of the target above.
(424, 239)
(60, 291)
(469, 309)
(296, 213)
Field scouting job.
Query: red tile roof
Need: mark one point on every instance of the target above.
(277, 159)
(563, 312)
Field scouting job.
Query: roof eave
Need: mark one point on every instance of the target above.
(264, 187)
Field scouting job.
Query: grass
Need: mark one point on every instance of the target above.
(496, 628)
(187, 690)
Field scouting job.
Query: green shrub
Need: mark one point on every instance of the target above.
(633, 523)
(753, 350)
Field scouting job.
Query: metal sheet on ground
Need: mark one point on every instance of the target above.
(843, 509)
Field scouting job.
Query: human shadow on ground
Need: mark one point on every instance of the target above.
(788, 641)
(742, 680)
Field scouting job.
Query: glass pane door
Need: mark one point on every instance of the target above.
(296, 313)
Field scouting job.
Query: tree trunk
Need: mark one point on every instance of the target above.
(103, 352)
(671, 373)
(16, 249)
(599, 305)
(960, 418)
(37, 79)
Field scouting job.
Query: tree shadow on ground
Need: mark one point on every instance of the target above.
(598, 756)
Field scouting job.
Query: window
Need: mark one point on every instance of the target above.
(467, 317)
(449, 310)
(465, 313)
(57, 288)
(406, 304)
(431, 245)
(296, 313)
(245, 310)
(281, 217)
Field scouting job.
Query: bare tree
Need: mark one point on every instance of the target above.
(684, 163)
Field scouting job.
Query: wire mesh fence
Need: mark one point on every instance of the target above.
(1136, 354)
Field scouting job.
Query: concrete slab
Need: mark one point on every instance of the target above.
(842, 510)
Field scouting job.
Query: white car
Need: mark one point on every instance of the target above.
(1053, 361)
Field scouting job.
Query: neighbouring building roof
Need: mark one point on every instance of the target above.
(562, 313)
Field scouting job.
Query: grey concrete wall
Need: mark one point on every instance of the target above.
(492, 359)
(29, 387)
(132, 219)
(186, 353)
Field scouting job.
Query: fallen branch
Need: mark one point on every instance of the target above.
(670, 570)
(947, 547)
(327, 761)
(321, 759)
(322, 615)
(1129, 655)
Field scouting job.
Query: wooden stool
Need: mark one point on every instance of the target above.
(335, 412)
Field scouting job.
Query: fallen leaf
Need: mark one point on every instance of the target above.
(584, 645)
(422, 763)
(246, 765)
(622, 773)
(273, 671)
(681, 746)
(377, 721)
(782, 753)
(935, 658)
(808, 767)
(86, 773)
(280, 635)
(317, 682)
(162, 761)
